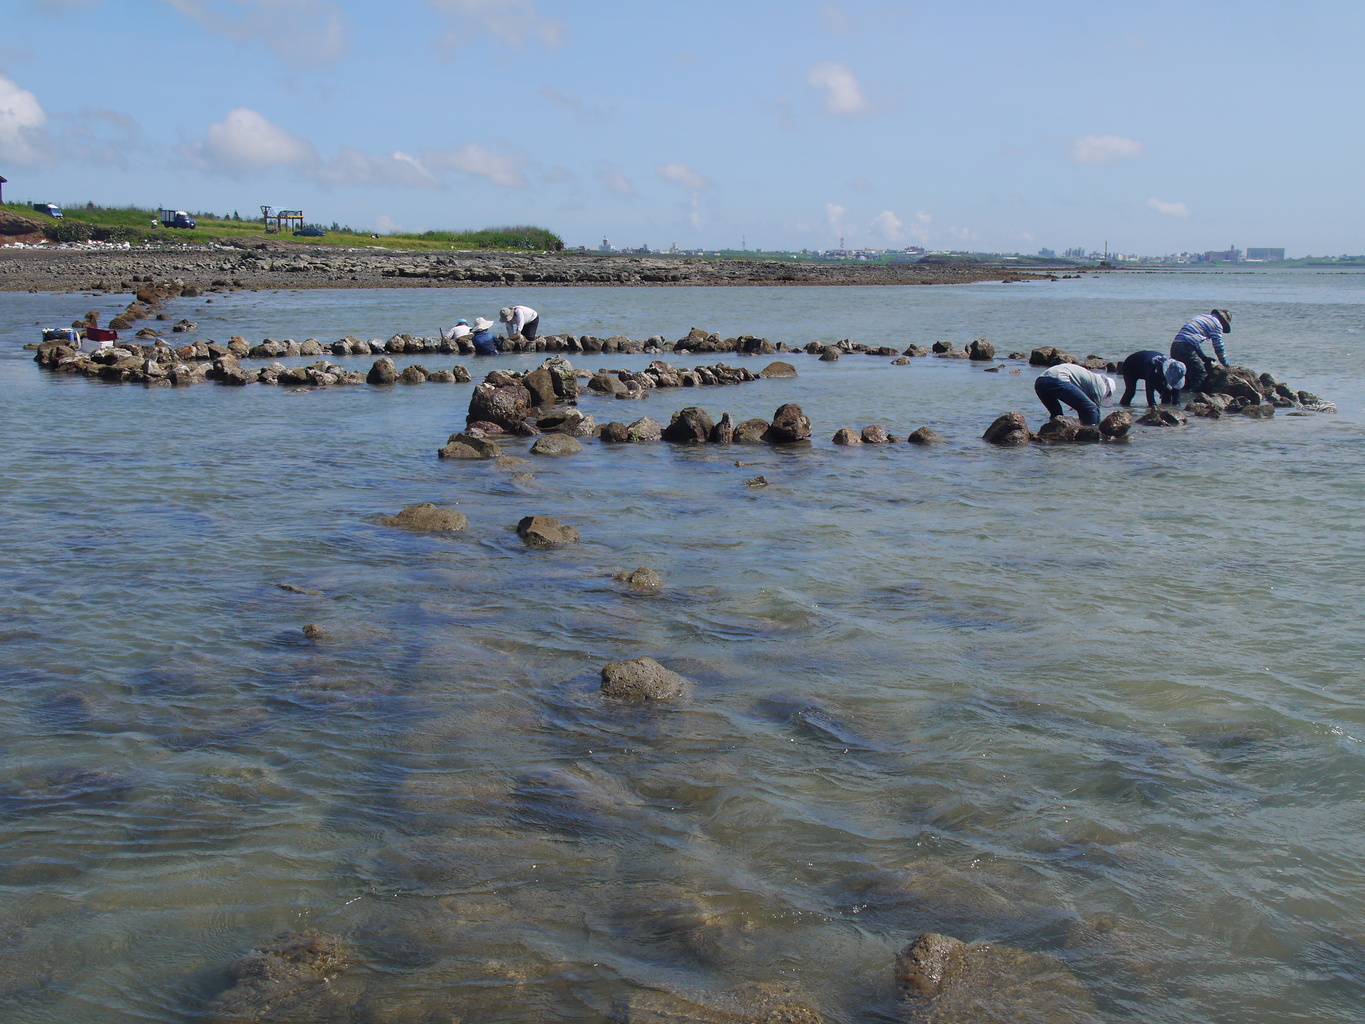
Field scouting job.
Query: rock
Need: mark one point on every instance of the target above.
(606, 384)
(412, 375)
(981, 350)
(752, 1003)
(724, 430)
(751, 431)
(756, 481)
(644, 429)
(541, 386)
(507, 406)
(1161, 418)
(924, 435)
(1117, 424)
(614, 433)
(441, 377)
(1058, 430)
(777, 370)
(641, 579)
(1088, 435)
(545, 532)
(845, 436)
(789, 425)
(689, 426)
(875, 435)
(428, 518)
(947, 981)
(461, 374)
(313, 631)
(1259, 412)
(1235, 381)
(382, 372)
(284, 982)
(570, 422)
(556, 444)
(1204, 409)
(310, 347)
(467, 446)
(829, 354)
(1008, 429)
(642, 679)
(1049, 356)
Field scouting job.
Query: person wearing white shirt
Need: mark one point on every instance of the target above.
(521, 320)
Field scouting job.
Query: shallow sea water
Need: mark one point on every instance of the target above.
(1101, 704)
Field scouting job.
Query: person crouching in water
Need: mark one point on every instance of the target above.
(1188, 344)
(484, 342)
(1163, 376)
(1082, 389)
(521, 320)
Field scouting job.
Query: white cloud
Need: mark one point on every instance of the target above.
(480, 162)
(514, 22)
(888, 226)
(681, 174)
(843, 95)
(923, 217)
(1105, 149)
(581, 109)
(617, 184)
(834, 217)
(353, 167)
(386, 225)
(246, 140)
(1169, 209)
(314, 30)
(23, 139)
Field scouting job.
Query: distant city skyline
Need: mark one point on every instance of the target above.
(978, 126)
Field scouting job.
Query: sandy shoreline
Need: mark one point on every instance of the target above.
(59, 270)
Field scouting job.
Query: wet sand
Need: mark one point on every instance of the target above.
(290, 266)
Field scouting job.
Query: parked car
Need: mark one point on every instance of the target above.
(311, 231)
(51, 209)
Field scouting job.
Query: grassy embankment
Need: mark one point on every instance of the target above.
(134, 225)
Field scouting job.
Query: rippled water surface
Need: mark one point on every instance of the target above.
(1099, 704)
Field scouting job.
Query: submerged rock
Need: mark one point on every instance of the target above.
(777, 370)
(1161, 418)
(284, 982)
(845, 436)
(469, 446)
(1117, 424)
(556, 444)
(642, 679)
(924, 435)
(641, 579)
(428, 518)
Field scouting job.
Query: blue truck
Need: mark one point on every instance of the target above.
(176, 219)
(51, 209)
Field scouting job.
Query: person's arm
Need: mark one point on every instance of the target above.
(1151, 387)
(1218, 348)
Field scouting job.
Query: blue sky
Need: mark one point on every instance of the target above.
(1157, 127)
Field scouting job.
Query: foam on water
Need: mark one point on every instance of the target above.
(1100, 703)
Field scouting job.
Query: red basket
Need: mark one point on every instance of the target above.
(101, 334)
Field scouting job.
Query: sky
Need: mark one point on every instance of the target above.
(1148, 128)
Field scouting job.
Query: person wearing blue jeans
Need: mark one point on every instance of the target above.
(1189, 349)
(1073, 385)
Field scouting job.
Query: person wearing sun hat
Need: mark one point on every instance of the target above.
(1164, 377)
(521, 320)
(484, 342)
(1188, 344)
(1074, 385)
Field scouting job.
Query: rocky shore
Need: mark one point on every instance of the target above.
(267, 265)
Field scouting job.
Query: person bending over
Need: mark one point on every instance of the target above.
(1163, 376)
(521, 320)
(1188, 345)
(1073, 385)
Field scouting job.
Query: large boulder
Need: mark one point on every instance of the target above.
(545, 532)
(382, 372)
(1058, 430)
(468, 446)
(1008, 429)
(556, 444)
(844, 437)
(644, 429)
(981, 350)
(751, 431)
(1117, 424)
(614, 433)
(924, 435)
(428, 518)
(789, 425)
(874, 434)
(606, 384)
(1236, 381)
(689, 426)
(641, 679)
(541, 386)
(1049, 356)
(777, 370)
(507, 405)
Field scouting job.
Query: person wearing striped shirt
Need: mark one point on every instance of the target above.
(1188, 344)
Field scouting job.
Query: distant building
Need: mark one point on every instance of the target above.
(1266, 255)
(1046, 253)
(1077, 253)
(1231, 254)
(606, 246)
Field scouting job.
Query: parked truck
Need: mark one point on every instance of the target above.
(176, 219)
(51, 209)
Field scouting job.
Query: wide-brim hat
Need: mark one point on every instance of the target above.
(1174, 372)
(505, 314)
(480, 324)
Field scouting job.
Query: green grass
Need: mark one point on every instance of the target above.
(134, 224)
